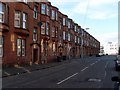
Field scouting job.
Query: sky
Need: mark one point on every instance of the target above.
(100, 16)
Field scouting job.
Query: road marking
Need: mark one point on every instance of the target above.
(7, 73)
(67, 78)
(25, 69)
(96, 61)
(84, 69)
(106, 64)
(92, 64)
(105, 74)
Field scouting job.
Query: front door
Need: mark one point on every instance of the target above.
(35, 55)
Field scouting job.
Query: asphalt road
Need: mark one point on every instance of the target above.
(93, 72)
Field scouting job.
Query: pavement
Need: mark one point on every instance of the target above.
(16, 70)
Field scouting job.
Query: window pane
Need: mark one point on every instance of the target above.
(63, 35)
(47, 28)
(35, 12)
(56, 32)
(63, 21)
(35, 34)
(18, 47)
(43, 9)
(0, 7)
(43, 28)
(23, 47)
(48, 10)
(53, 32)
(53, 14)
(17, 19)
(1, 51)
(56, 16)
(1, 17)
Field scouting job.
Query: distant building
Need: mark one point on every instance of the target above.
(102, 50)
(111, 48)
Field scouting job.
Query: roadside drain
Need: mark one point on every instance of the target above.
(94, 80)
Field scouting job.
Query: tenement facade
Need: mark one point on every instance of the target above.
(37, 32)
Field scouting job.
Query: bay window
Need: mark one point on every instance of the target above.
(43, 8)
(17, 19)
(24, 20)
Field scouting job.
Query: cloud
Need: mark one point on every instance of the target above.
(107, 37)
(97, 9)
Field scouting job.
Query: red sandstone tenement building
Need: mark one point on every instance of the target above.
(37, 32)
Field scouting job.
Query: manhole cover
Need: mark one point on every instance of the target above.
(94, 80)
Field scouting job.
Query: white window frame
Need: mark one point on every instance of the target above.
(2, 18)
(68, 36)
(63, 21)
(35, 12)
(18, 47)
(43, 8)
(18, 14)
(24, 20)
(69, 24)
(75, 28)
(53, 14)
(23, 47)
(47, 28)
(48, 11)
(63, 35)
(43, 28)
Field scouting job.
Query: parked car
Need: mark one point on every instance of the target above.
(116, 79)
(117, 63)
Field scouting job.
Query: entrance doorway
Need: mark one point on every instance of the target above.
(35, 55)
